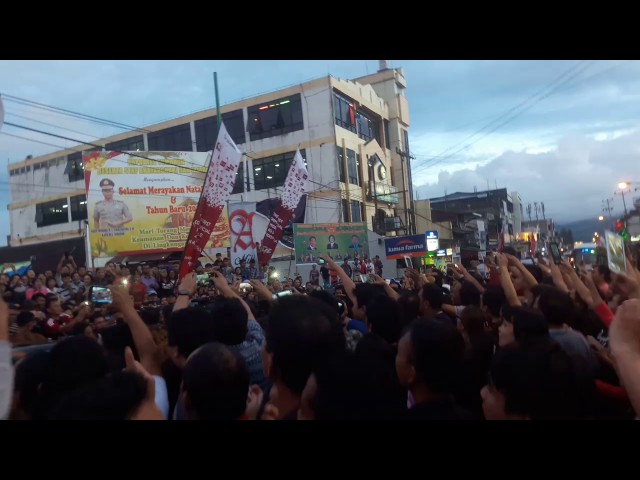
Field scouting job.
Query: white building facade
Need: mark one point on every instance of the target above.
(353, 135)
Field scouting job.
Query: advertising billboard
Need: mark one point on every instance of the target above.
(339, 240)
(145, 201)
(432, 240)
(410, 246)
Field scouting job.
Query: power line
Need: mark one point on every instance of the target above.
(50, 124)
(330, 189)
(511, 114)
(71, 113)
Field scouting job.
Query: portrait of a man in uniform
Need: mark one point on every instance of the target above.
(110, 213)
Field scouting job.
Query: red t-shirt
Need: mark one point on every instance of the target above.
(52, 327)
(139, 292)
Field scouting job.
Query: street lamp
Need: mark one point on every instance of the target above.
(601, 218)
(623, 185)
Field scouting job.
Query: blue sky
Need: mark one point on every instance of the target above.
(565, 143)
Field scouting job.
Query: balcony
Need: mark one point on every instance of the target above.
(382, 192)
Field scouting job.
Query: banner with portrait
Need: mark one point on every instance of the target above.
(144, 202)
(339, 240)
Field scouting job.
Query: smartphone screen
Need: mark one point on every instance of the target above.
(615, 252)
(321, 261)
(555, 253)
(100, 295)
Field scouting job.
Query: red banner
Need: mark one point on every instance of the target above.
(218, 185)
(294, 187)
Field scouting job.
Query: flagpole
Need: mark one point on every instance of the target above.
(219, 118)
(215, 86)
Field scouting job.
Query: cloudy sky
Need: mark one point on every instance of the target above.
(560, 132)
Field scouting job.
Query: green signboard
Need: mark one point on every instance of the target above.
(339, 240)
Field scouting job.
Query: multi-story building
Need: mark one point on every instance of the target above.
(353, 135)
(518, 212)
(476, 218)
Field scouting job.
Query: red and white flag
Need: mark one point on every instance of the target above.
(218, 185)
(294, 187)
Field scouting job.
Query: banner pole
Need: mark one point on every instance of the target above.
(215, 86)
(219, 118)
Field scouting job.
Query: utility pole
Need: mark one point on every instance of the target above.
(606, 206)
(409, 212)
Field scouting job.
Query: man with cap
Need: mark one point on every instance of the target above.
(110, 213)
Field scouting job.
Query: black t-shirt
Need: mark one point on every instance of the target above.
(347, 269)
(324, 272)
(166, 288)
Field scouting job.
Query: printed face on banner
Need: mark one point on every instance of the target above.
(339, 240)
(146, 201)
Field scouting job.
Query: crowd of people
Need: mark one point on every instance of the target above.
(509, 341)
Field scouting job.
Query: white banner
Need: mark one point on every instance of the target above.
(294, 186)
(242, 218)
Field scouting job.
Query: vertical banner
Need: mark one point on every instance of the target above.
(218, 185)
(294, 186)
(243, 245)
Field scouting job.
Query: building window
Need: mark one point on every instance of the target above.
(367, 128)
(52, 213)
(352, 167)
(75, 167)
(345, 112)
(387, 140)
(275, 118)
(207, 130)
(237, 187)
(270, 172)
(78, 208)
(356, 211)
(132, 144)
(340, 164)
(173, 139)
(346, 214)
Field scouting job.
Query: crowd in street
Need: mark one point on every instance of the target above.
(499, 341)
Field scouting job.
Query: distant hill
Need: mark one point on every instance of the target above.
(583, 230)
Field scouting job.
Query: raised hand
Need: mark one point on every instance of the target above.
(261, 290)
(121, 300)
(503, 261)
(189, 283)
(624, 333)
(254, 400)
(220, 282)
